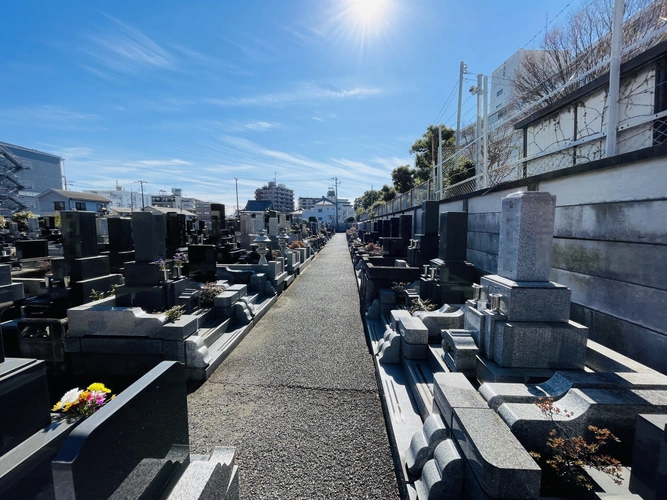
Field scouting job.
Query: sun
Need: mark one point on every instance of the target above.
(366, 12)
(367, 17)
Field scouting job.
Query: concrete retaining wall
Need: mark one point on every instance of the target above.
(610, 248)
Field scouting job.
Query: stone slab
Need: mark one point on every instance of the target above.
(501, 466)
(452, 391)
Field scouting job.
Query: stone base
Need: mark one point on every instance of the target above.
(540, 345)
(528, 300)
(81, 269)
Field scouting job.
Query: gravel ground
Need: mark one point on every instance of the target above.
(298, 397)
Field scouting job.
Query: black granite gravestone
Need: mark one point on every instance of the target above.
(430, 217)
(149, 232)
(176, 232)
(31, 249)
(79, 232)
(453, 236)
(394, 224)
(147, 421)
(120, 234)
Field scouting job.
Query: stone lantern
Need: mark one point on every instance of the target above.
(282, 242)
(262, 241)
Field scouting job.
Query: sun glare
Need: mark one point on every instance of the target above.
(367, 11)
(367, 17)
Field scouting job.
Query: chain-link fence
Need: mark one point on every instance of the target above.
(522, 141)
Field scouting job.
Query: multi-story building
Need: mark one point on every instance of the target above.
(24, 174)
(173, 200)
(281, 196)
(306, 203)
(203, 210)
(324, 208)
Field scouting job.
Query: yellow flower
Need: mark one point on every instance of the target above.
(97, 386)
(57, 406)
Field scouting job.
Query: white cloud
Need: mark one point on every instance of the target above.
(259, 125)
(307, 92)
(124, 50)
(156, 163)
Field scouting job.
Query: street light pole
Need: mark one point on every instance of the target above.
(143, 203)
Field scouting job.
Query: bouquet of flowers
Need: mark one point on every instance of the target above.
(179, 259)
(84, 402)
(161, 264)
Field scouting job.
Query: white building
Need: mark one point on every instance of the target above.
(501, 99)
(120, 198)
(325, 210)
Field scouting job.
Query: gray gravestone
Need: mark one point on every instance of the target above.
(526, 236)
(273, 226)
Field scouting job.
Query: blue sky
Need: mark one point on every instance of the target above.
(193, 94)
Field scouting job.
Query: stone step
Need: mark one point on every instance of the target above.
(209, 478)
(213, 330)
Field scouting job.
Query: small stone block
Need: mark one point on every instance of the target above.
(412, 330)
(395, 315)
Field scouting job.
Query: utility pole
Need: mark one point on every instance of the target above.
(614, 77)
(486, 132)
(335, 179)
(462, 71)
(439, 177)
(238, 211)
(478, 127)
(143, 203)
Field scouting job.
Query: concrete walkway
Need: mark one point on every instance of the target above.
(298, 397)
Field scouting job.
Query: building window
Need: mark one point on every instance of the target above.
(319, 210)
(499, 93)
(59, 205)
(80, 205)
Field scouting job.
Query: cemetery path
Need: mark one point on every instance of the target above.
(298, 396)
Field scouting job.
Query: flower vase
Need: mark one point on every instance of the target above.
(165, 275)
(179, 270)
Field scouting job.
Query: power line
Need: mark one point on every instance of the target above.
(447, 101)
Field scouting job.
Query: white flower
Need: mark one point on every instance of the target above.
(71, 397)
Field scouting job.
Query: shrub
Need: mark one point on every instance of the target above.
(174, 313)
(421, 305)
(21, 219)
(208, 293)
(571, 454)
